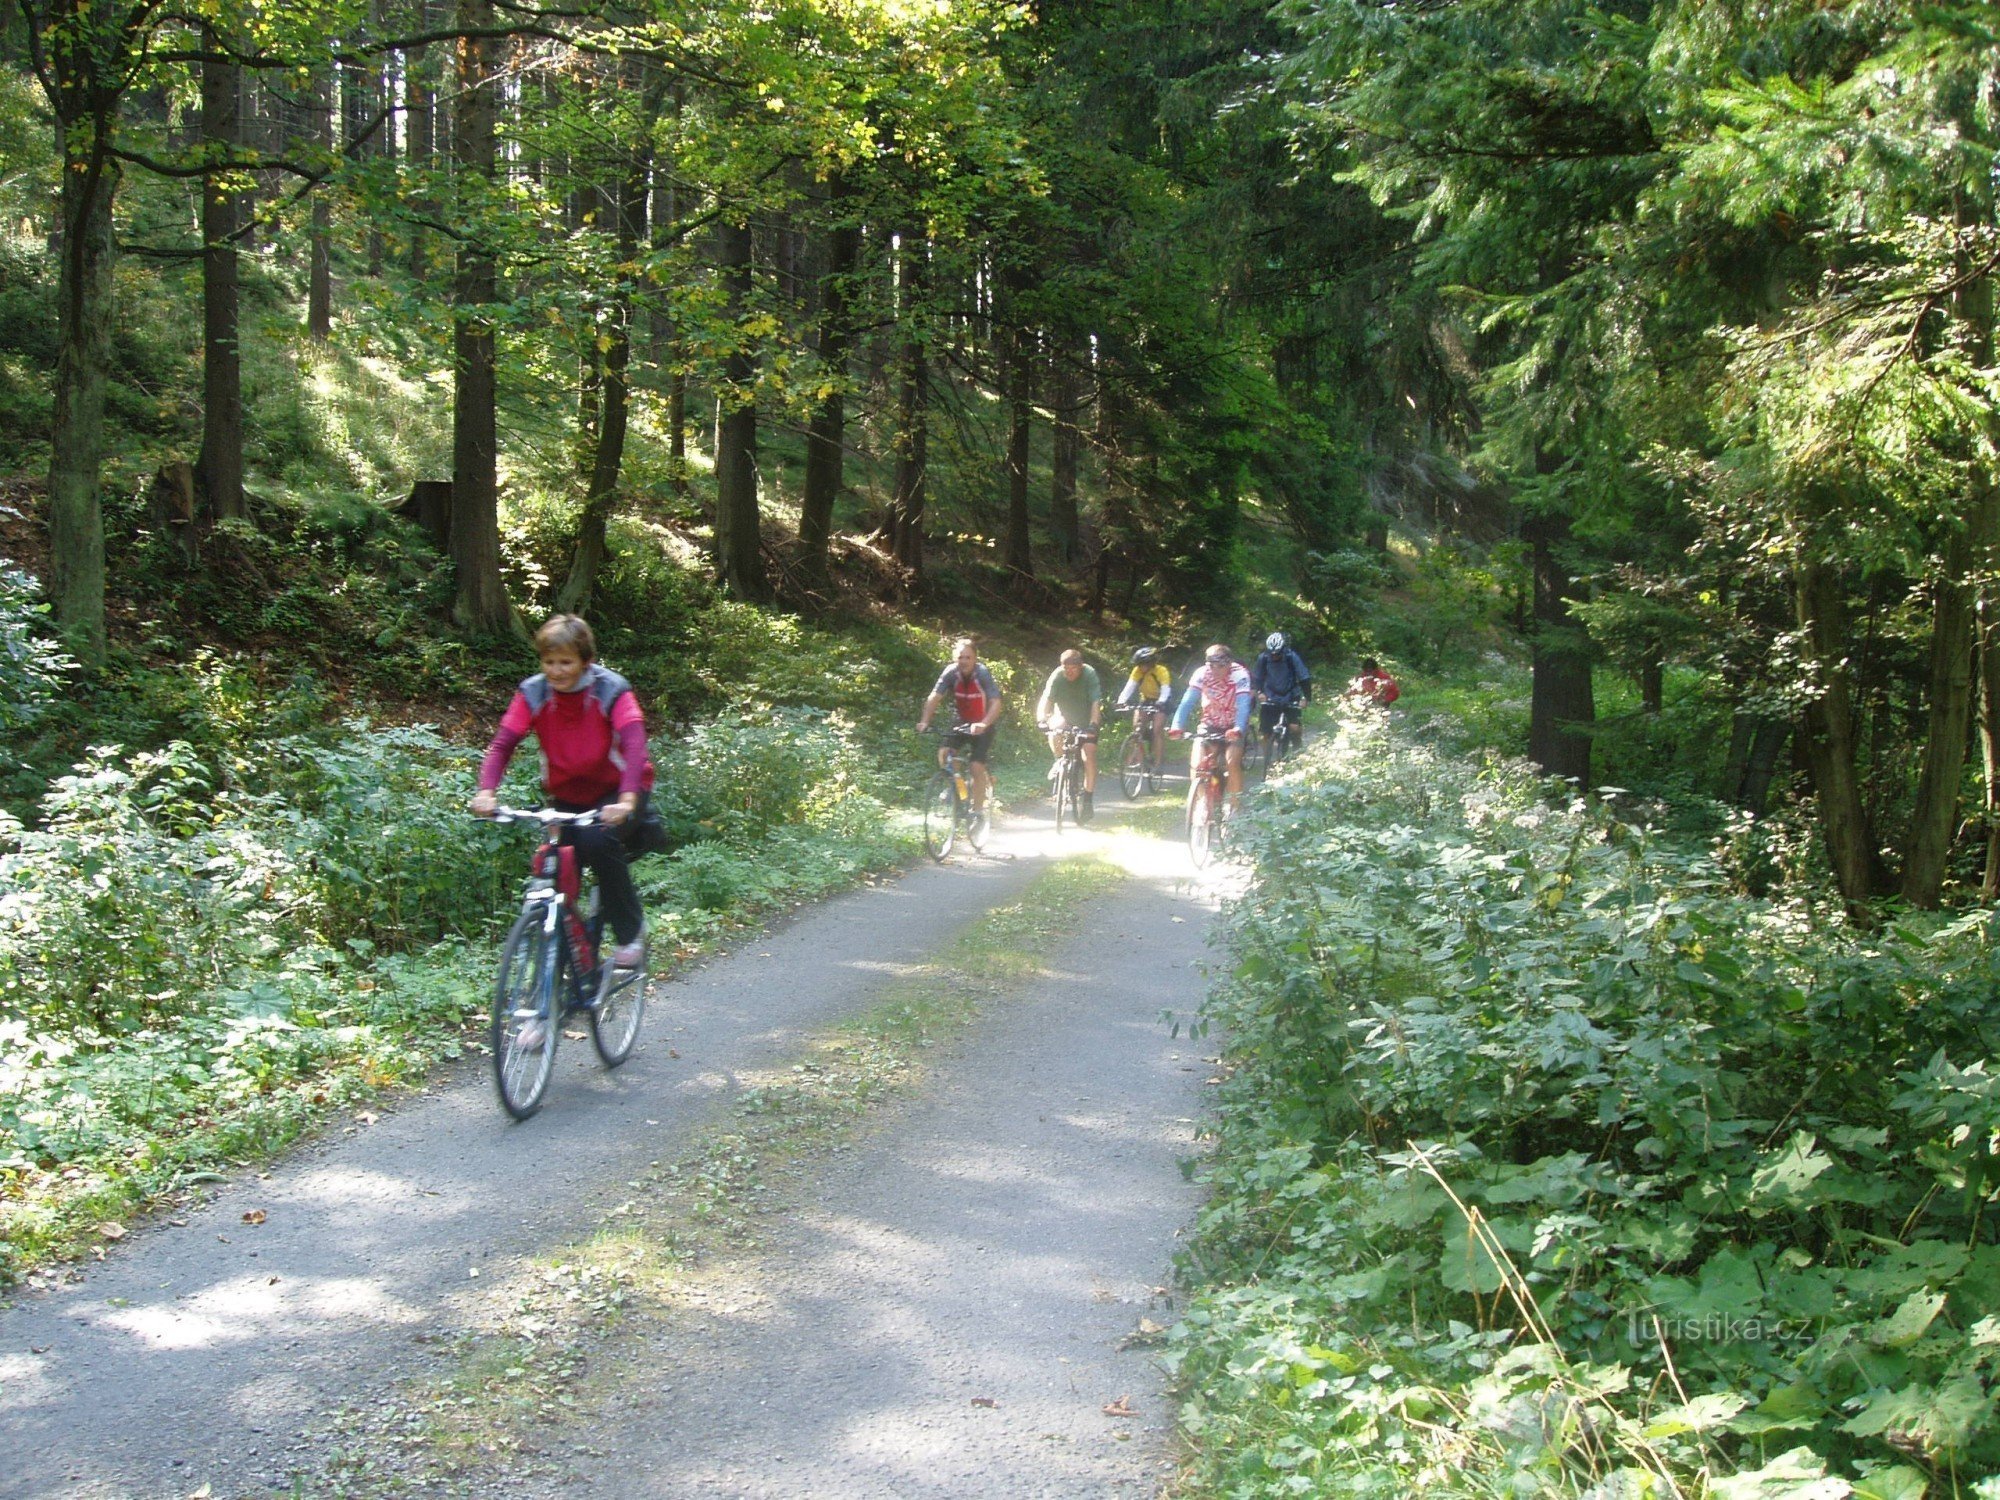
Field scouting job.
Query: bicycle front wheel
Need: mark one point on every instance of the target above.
(524, 1016)
(1132, 767)
(1201, 820)
(1064, 812)
(940, 816)
(621, 1002)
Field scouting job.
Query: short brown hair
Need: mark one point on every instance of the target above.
(567, 633)
(1071, 655)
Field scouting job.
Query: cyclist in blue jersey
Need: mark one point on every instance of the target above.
(1281, 682)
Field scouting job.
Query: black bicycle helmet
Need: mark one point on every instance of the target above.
(1143, 657)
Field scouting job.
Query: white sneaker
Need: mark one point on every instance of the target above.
(529, 1037)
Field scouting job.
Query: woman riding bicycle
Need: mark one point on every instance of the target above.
(592, 735)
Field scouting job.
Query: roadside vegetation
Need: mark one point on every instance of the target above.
(1569, 1147)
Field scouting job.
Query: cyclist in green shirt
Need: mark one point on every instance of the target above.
(1075, 698)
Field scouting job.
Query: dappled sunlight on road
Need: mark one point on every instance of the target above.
(258, 1306)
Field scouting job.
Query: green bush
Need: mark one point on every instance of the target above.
(1550, 1159)
(33, 667)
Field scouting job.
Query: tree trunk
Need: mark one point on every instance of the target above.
(481, 605)
(1989, 737)
(739, 560)
(826, 437)
(912, 436)
(1760, 767)
(1955, 644)
(1562, 706)
(84, 314)
(602, 498)
(1018, 552)
(1066, 400)
(1652, 681)
(1954, 606)
(219, 468)
(319, 273)
(1827, 735)
(419, 144)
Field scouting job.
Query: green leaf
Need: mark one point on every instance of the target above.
(1907, 1324)
(1797, 1475)
(1900, 1482)
(1703, 1413)
(1466, 1265)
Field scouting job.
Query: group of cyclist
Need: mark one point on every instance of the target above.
(1220, 690)
(592, 736)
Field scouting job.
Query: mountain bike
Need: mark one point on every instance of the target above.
(1208, 796)
(554, 964)
(1279, 742)
(948, 814)
(1139, 768)
(1069, 773)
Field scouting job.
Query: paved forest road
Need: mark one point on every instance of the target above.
(947, 1314)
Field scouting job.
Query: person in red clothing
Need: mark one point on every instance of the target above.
(1374, 685)
(592, 736)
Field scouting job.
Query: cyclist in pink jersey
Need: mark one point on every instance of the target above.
(975, 699)
(592, 736)
(1221, 686)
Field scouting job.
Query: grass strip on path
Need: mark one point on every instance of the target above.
(595, 1303)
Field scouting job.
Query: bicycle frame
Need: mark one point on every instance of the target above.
(953, 782)
(555, 882)
(553, 963)
(1208, 784)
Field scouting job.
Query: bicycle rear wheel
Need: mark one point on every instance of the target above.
(940, 816)
(1132, 768)
(1200, 820)
(621, 1002)
(524, 1016)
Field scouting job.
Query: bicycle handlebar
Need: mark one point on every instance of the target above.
(545, 815)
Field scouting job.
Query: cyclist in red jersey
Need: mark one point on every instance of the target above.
(975, 699)
(593, 741)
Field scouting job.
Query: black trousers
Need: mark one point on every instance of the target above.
(602, 850)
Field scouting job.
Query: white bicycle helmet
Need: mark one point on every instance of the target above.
(1275, 641)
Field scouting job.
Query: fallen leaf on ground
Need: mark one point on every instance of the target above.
(986, 1401)
(112, 1231)
(254, 1216)
(1120, 1408)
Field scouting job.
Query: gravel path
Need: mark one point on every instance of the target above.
(945, 1318)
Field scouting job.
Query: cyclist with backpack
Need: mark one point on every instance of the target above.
(1281, 682)
(586, 720)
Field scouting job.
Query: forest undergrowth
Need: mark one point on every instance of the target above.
(1552, 1161)
(237, 911)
